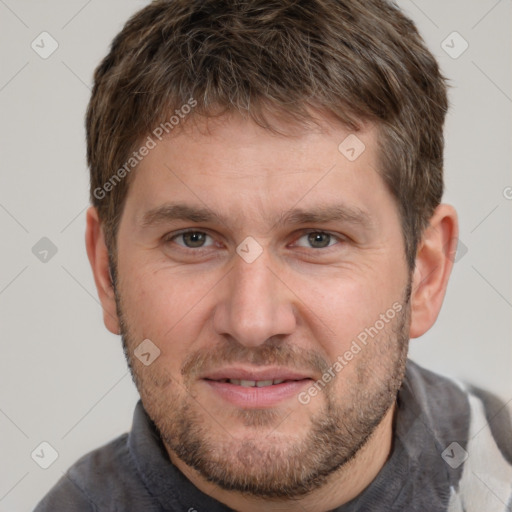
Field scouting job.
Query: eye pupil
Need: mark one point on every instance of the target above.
(194, 239)
(319, 240)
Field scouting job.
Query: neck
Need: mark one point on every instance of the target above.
(343, 485)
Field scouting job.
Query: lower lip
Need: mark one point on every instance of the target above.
(254, 397)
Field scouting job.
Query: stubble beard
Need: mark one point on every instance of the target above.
(274, 465)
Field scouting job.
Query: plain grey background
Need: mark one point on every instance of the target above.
(64, 380)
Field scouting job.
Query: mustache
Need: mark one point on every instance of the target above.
(268, 354)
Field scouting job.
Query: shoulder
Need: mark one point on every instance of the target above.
(97, 481)
(473, 430)
(486, 417)
(486, 480)
(66, 495)
(495, 416)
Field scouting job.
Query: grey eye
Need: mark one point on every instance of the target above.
(317, 240)
(192, 239)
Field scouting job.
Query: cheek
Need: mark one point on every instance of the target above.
(342, 307)
(155, 304)
(168, 309)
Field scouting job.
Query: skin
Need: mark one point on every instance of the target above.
(296, 306)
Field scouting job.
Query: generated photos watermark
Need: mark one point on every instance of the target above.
(150, 143)
(356, 347)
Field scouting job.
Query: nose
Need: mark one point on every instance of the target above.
(255, 304)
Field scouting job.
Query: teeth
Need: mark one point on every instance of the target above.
(254, 383)
(263, 383)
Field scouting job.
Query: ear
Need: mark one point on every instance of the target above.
(98, 257)
(434, 263)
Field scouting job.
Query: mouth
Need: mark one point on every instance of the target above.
(253, 383)
(248, 389)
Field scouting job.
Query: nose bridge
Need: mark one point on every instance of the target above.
(252, 286)
(255, 305)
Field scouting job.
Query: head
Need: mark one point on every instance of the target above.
(266, 180)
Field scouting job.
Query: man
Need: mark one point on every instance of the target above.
(266, 235)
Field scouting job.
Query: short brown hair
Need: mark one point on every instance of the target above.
(360, 60)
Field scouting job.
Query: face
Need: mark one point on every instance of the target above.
(269, 272)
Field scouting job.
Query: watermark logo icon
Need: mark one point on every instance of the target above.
(460, 251)
(249, 250)
(454, 45)
(454, 455)
(146, 352)
(44, 250)
(44, 455)
(44, 45)
(352, 147)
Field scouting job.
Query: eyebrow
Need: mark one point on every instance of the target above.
(322, 214)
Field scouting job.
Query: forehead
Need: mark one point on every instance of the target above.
(230, 168)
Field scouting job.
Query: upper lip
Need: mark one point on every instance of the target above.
(255, 374)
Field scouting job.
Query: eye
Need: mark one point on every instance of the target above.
(190, 239)
(318, 240)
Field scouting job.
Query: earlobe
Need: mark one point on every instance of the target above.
(434, 263)
(97, 252)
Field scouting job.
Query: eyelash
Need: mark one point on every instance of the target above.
(172, 236)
